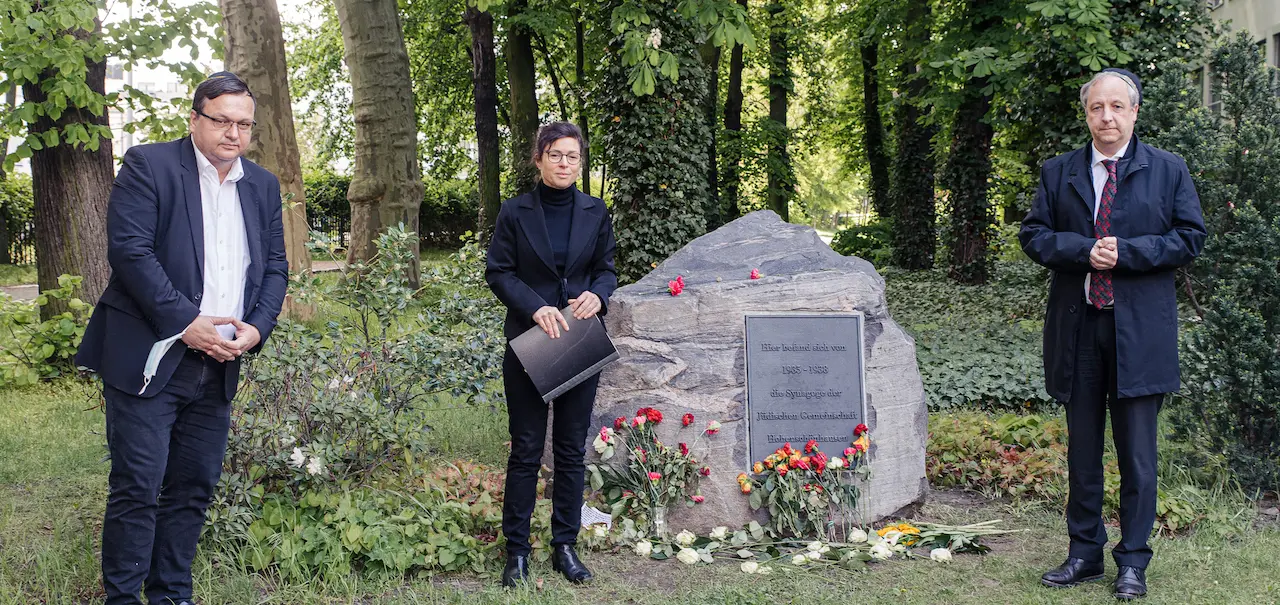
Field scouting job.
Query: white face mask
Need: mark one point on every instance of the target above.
(153, 360)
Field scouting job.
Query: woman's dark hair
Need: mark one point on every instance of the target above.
(218, 84)
(549, 134)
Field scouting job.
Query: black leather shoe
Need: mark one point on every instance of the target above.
(565, 561)
(1131, 583)
(516, 571)
(1072, 571)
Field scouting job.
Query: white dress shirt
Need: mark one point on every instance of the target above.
(226, 245)
(1100, 183)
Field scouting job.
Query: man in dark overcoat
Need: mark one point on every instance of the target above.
(1113, 221)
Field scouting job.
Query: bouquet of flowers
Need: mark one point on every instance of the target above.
(807, 492)
(653, 474)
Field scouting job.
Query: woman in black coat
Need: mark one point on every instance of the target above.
(552, 248)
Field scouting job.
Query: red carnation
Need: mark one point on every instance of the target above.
(687, 419)
(860, 429)
(705, 471)
(654, 415)
(810, 446)
(698, 499)
(684, 449)
(803, 464)
(755, 274)
(618, 423)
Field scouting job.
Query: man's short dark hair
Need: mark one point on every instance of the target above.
(218, 84)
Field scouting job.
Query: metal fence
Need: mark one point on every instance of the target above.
(19, 244)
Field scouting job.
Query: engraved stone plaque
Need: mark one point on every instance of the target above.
(805, 380)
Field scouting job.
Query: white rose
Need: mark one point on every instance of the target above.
(799, 560)
(297, 458)
(719, 533)
(749, 567)
(881, 551)
(836, 463)
(316, 466)
(685, 538)
(688, 556)
(814, 546)
(599, 530)
(813, 555)
(941, 555)
(644, 548)
(857, 536)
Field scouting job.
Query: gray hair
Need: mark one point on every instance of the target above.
(1135, 97)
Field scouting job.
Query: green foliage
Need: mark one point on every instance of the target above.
(1025, 457)
(870, 242)
(641, 29)
(47, 45)
(656, 150)
(808, 493)
(1231, 356)
(33, 349)
(448, 210)
(324, 468)
(977, 346)
(17, 210)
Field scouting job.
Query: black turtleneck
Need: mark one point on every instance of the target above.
(557, 207)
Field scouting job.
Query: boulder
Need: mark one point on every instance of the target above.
(686, 354)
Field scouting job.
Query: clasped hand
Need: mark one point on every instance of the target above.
(202, 335)
(1104, 255)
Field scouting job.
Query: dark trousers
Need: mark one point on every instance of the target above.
(166, 457)
(527, 421)
(1133, 428)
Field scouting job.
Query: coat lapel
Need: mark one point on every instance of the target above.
(248, 192)
(191, 194)
(581, 229)
(1082, 178)
(534, 224)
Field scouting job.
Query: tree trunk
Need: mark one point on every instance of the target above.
(733, 132)
(967, 173)
(11, 99)
(484, 81)
(72, 186)
(873, 128)
(580, 71)
(555, 77)
(386, 188)
(781, 183)
(254, 46)
(522, 86)
(711, 58)
(911, 190)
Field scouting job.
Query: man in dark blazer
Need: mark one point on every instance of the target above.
(196, 247)
(1113, 221)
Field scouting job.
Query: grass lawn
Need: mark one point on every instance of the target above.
(17, 275)
(53, 490)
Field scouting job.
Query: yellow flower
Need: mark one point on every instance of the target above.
(864, 442)
(908, 528)
(758, 468)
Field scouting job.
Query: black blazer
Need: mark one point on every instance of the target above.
(520, 268)
(155, 245)
(1156, 220)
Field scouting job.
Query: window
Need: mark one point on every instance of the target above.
(1216, 3)
(1275, 50)
(1215, 96)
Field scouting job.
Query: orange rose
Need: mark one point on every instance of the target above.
(758, 468)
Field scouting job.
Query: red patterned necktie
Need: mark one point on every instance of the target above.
(1100, 293)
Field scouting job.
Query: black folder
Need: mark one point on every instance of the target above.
(558, 364)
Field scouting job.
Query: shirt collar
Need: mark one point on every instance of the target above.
(206, 167)
(1098, 156)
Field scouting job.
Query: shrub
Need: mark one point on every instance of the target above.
(1231, 353)
(449, 208)
(1025, 456)
(17, 211)
(872, 242)
(35, 349)
(326, 462)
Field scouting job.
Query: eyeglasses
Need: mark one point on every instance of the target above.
(224, 125)
(572, 158)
